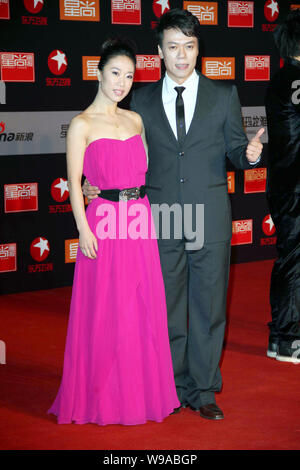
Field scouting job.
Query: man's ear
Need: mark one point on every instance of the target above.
(160, 52)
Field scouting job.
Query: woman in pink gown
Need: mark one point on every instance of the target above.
(117, 362)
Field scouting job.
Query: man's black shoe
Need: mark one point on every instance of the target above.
(272, 349)
(211, 411)
(289, 352)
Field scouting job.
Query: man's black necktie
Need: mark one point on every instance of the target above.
(180, 120)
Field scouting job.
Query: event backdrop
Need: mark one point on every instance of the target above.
(49, 52)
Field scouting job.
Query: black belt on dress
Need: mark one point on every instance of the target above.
(123, 194)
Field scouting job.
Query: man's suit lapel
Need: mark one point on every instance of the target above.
(157, 112)
(204, 102)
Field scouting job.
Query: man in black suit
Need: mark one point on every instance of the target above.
(192, 123)
(283, 193)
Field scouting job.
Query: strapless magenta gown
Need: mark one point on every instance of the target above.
(117, 362)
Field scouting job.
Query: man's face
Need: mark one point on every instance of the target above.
(179, 53)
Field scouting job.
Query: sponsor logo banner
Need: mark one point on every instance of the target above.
(8, 257)
(20, 197)
(59, 190)
(231, 182)
(268, 226)
(269, 229)
(219, 68)
(148, 68)
(4, 10)
(33, 6)
(89, 67)
(39, 249)
(57, 62)
(242, 232)
(126, 11)
(30, 133)
(254, 117)
(255, 180)
(160, 6)
(257, 67)
(240, 14)
(206, 12)
(78, 10)
(271, 10)
(71, 247)
(17, 66)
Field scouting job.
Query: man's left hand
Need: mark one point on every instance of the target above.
(255, 147)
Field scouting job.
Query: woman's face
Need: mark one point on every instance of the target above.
(116, 77)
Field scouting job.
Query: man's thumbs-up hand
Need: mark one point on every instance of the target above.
(255, 147)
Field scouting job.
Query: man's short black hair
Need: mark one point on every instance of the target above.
(183, 20)
(287, 35)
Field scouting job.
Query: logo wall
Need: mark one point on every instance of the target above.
(271, 12)
(219, 68)
(257, 67)
(4, 10)
(148, 68)
(255, 180)
(89, 67)
(240, 14)
(126, 11)
(17, 66)
(8, 257)
(242, 232)
(206, 12)
(231, 181)
(269, 229)
(33, 6)
(57, 63)
(71, 247)
(78, 10)
(160, 7)
(20, 197)
(39, 249)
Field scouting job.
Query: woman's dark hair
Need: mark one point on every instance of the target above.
(113, 48)
(287, 35)
(183, 20)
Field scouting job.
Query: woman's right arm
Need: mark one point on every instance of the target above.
(76, 144)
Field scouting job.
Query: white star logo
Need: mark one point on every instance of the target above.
(43, 246)
(270, 222)
(60, 57)
(38, 1)
(274, 7)
(63, 186)
(164, 5)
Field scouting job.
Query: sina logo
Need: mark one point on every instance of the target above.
(33, 6)
(5, 136)
(39, 249)
(271, 10)
(160, 7)
(57, 62)
(59, 190)
(268, 226)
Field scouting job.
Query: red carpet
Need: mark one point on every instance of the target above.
(260, 396)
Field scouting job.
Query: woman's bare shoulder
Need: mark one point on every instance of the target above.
(79, 125)
(135, 117)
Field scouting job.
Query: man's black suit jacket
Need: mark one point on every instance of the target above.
(195, 172)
